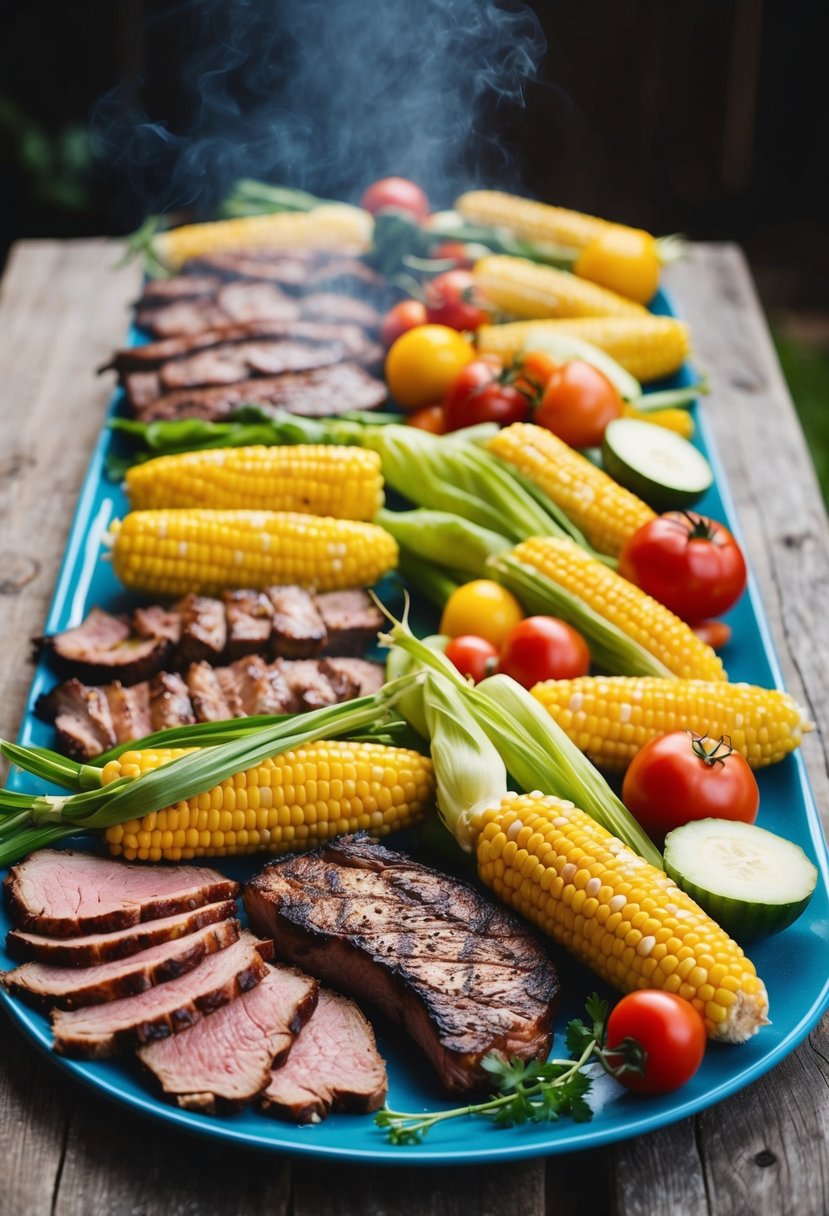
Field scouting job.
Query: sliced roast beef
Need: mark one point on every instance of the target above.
(157, 622)
(262, 687)
(170, 703)
(65, 894)
(321, 392)
(206, 695)
(297, 629)
(226, 364)
(366, 677)
(334, 1064)
(178, 287)
(203, 629)
(463, 976)
(225, 1060)
(76, 987)
(288, 268)
(249, 621)
(130, 710)
(83, 722)
(94, 948)
(104, 646)
(352, 620)
(232, 304)
(98, 1031)
(315, 683)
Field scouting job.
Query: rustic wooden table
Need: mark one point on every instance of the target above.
(65, 1150)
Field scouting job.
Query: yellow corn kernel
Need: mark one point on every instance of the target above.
(174, 552)
(611, 717)
(530, 290)
(316, 479)
(671, 419)
(644, 620)
(603, 510)
(615, 912)
(318, 791)
(527, 218)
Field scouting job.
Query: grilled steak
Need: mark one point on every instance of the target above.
(99, 1031)
(180, 287)
(203, 629)
(65, 894)
(367, 676)
(169, 701)
(334, 1064)
(462, 976)
(95, 948)
(297, 628)
(249, 622)
(232, 304)
(104, 645)
(327, 306)
(352, 620)
(319, 393)
(225, 1060)
(75, 987)
(83, 722)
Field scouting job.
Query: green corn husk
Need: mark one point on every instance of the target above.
(443, 538)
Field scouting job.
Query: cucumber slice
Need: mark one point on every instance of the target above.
(750, 881)
(656, 464)
(564, 347)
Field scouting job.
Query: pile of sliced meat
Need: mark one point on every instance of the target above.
(291, 330)
(153, 959)
(155, 669)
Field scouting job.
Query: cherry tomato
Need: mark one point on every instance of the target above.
(715, 634)
(679, 777)
(452, 299)
(669, 1030)
(400, 319)
(396, 192)
(481, 393)
(543, 648)
(533, 371)
(481, 607)
(473, 656)
(624, 259)
(691, 564)
(578, 403)
(429, 418)
(423, 363)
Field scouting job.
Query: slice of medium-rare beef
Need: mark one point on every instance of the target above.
(261, 687)
(170, 703)
(328, 306)
(459, 973)
(297, 629)
(352, 620)
(104, 647)
(367, 677)
(333, 1065)
(92, 949)
(321, 392)
(99, 1031)
(242, 360)
(225, 1060)
(206, 695)
(314, 684)
(66, 894)
(76, 987)
(83, 722)
(249, 619)
(203, 629)
(154, 621)
(130, 710)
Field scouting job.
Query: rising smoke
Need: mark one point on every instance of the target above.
(326, 95)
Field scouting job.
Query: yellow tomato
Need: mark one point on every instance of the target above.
(624, 259)
(424, 362)
(482, 608)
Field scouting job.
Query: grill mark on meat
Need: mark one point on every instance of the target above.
(351, 619)
(249, 622)
(162, 291)
(203, 628)
(297, 629)
(225, 365)
(206, 695)
(169, 702)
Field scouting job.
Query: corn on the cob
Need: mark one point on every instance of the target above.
(289, 803)
(329, 226)
(671, 419)
(621, 916)
(177, 551)
(530, 219)
(603, 510)
(317, 479)
(650, 624)
(611, 717)
(526, 289)
(648, 347)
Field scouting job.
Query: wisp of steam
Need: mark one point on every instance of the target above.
(328, 95)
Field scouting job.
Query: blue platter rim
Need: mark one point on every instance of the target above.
(356, 1138)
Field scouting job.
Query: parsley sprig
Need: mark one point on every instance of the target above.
(533, 1091)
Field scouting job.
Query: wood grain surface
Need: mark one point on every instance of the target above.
(68, 1151)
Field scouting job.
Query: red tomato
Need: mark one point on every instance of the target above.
(533, 371)
(452, 299)
(691, 564)
(400, 318)
(578, 403)
(715, 634)
(461, 252)
(480, 394)
(473, 656)
(396, 192)
(670, 1032)
(430, 418)
(543, 648)
(681, 776)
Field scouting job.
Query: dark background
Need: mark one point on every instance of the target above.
(707, 117)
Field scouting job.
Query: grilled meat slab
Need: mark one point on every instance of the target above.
(99, 1031)
(64, 894)
(93, 949)
(232, 304)
(460, 974)
(225, 1060)
(333, 1065)
(75, 987)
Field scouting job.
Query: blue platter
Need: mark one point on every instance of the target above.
(792, 964)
